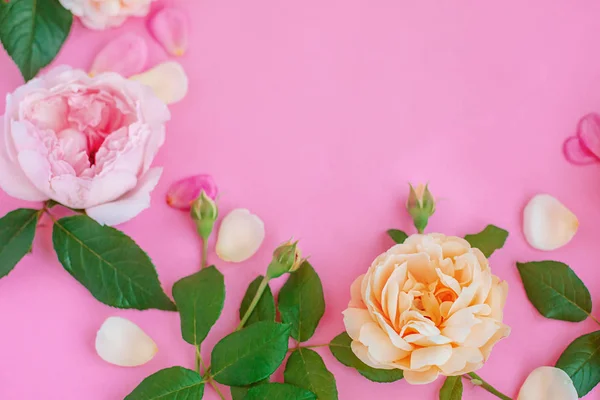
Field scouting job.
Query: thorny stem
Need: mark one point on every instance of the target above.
(488, 387)
(257, 296)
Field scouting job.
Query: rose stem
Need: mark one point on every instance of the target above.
(257, 296)
(204, 254)
(488, 387)
(594, 319)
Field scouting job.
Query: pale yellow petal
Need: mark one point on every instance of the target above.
(168, 81)
(461, 356)
(356, 294)
(428, 356)
(449, 281)
(547, 223)
(123, 343)
(381, 348)
(354, 320)
(422, 340)
(362, 352)
(497, 298)
(421, 378)
(486, 349)
(459, 325)
(548, 383)
(482, 333)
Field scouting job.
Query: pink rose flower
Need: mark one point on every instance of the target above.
(86, 143)
(103, 14)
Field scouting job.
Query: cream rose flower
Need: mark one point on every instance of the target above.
(103, 14)
(429, 306)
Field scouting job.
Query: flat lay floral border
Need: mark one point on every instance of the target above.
(429, 306)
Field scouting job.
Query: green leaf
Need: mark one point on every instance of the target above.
(175, 383)
(488, 240)
(555, 290)
(340, 348)
(581, 361)
(265, 309)
(305, 368)
(249, 355)
(397, 235)
(239, 392)
(32, 32)
(109, 264)
(199, 298)
(301, 302)
(280, 391)
(17, 229)
(452, 388)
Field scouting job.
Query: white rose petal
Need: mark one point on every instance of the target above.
(548, 383)
(168, 81)
(240, 235)
(123, 343)
(547, 223)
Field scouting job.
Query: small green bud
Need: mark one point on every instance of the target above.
(286, 258)
(204, 212)
(420, 206)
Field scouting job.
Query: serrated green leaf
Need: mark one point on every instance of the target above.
(301, 302)
(33, 31)
(305, 368)
(175, 383)
(199, 298)
(341, 350)
(279, 391)
(265, 309)
(488, 240)
(581, 361)
(397, 235)
(452, 388)
(250, 355)
(17, 230)
(239, 392)
(109, 264)
(555, 290)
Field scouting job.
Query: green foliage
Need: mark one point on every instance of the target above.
(265, 309)
(175, 383)
(17, 230)
(488, 240)
(452, 388)
(278, 391)
(397, 235)
(581, 361)
(305, 368)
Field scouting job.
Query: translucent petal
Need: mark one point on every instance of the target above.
(125, 55)
(547, 223)
(123, 343)
(168, 81)
(240, 235)
(170, 27)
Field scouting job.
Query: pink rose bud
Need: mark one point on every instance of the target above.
(182, 193)
(170, 28)
(126, 55)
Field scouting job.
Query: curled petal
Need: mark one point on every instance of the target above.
(588, 132)
(576, 153)
(240, 235)
(548, 383)
(168, 81)
(170, 27)
(547, 223)
(123, 343)
(125, 55)
(182, 193)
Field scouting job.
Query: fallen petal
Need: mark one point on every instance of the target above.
(125, 55)
(588, 131)
(182, 193)
(576, 153)
(168, 81)
(240, 235)
(547, 223)
(123, 343)
(170, 27)
(548, 383)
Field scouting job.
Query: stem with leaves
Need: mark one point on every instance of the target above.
(255, 300)
(478, 381)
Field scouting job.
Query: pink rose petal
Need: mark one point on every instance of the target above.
(576, 153)
(182, 193)
(170, 27)
(125, 55)
(588, 131)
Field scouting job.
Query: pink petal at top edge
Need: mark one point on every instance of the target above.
(170, 27)
(125, 55)
(588, 131)
(182, 193)
(576, 153)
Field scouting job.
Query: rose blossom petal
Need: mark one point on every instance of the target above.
(123, 343)
(380, 346)
(182, 193)
(12, 178)
(588, 131)
(421, 378)
(130, 205)
(354, 319)
(548, 383)
(126, 55)
(170, 27)
(240, 235)
(356, 294)
(429, 356)
(362, 352)
(167, 80)
(576, 153)
(461, 356)
(547, 223)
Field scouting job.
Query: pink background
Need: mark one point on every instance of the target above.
(315, 115)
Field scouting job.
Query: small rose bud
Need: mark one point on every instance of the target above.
(286, 258)
(420, 206)
(182, 193)
(204, 212)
